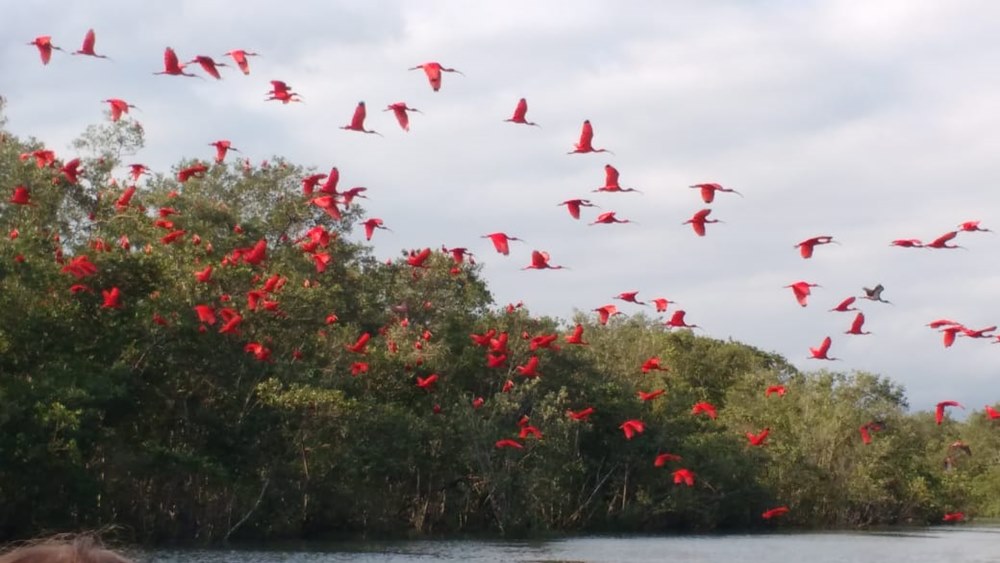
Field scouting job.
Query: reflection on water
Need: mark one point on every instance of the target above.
(953, 544)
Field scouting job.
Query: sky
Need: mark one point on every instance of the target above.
(867, 121)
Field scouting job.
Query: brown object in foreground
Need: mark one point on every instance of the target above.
(62, 549)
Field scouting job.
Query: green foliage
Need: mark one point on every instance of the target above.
(147, 416)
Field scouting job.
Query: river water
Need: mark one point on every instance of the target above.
(952, 544)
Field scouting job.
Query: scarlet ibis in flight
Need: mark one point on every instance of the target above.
(939, 410)
(360, 345)
(583, 414)
(577, 336)
(88, 46)
(874, 294)
(653, 364)
(661, 304)
(358, 121)
(972, 227)
(699, 220)
(992, 413)
(239, 56)
(209, 65)
(664, 458)
(774, 512)
(845, 305)
(820, 352)
(519, 114)
(806, 247)
(585, 144)
(283, 92)
(172, 65)
(644, 396)
(427, 382)
(574, 205)
(943, 240)
(371, 225)
(45, 47)
(540, 261)
(801, 290)
(866, 429)
(775, 389)
(433, 71)
(529, 369)
(949, 333)
(677, 320)
(630, 296)
(953, 517)
(500, 242)
(221, 148)
(399, 109)
(508, 443)
(683, 476)
(708, 191)
(857, 324)
(608, 218)
(759, 438)
(632, 427)
(611, 181)
(706, 408)
(606, 312)
(907, 243)
(118, 107)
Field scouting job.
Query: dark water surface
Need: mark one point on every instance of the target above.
(953, 544)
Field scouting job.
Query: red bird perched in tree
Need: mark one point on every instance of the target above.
(953, 517)
(972, 227)
(540, 261)
(433, 71)
(774, 512)
(206, 314)
(194, 171)
(500, 242)
(358, 121)
(360, 345)
(529, 369)
(520, 111)
(608, 218)
(943, 240)
(118, 107)
(708, 191)
(677, 320)
(585, 144)
(820, 353)
(653, 364)
(992, 413)
(661, 304)
(239, 56)
(611, 184)
(845, 305)
(939, 410)
(371, 225)
(683, 476)
(80, 267)
(112, 298)
(399, 109)
(606, 312)
(260, 352)
(866, 429)
(706, 408)
(205, 275)
(21, 196)
(806, 247)
(630, 297)
(583, 414)
(632, 427)
(651, 395)
(221, 148)
(699, 220)
(577, 336)
(779, 389)
(907, 243)
(208, 65)
(802, 291)
(43, 157)
(172, 65)
(417, 259)
(283, 92)
(45, 47)
(88, 46)
(663, 459)
(508, 443)
(427, 382)
(758, 439)
(859, 321)
(574, 205)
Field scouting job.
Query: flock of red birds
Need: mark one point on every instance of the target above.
(321, 190)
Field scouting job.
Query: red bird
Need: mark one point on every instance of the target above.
(611, 183)
(708, 191)
(221, 148)
(992, 413)
(71, 171)
(240, 58)
(972, 227)
(677, 320)
(283, 92)
(953, 517)
(574, 205)
(806, 247)
(529, 369)
(205, 275)
(427, 382)
(80, 267)
(949, 333)
(773, 512)
(684, 476)
(208, 65)
(608, 218)
(540, 261)
(577, 336)
(653, 364)
(939, 410)
(859, 321)
(121, 204)
(820, 353)
(699, 220)
(206, 314)
(758, 439)
(112, 298)
(942, 241)
(371, 225)
(417, 259)
(88, 46)
(118, 107)
(500, 242)
(519, 112)
(630, 297)
(779, 389)
(194, 171)
(606, 312)
(651, 395)
(359, 346)
(358, 121)
(632, 427)
(801, 291)
(907, 243)
(328, 203)
(45, 47)
(171, 65)
(662, 459)
(706, 408)
(433, 71)
(508, 443)
(399, 109)
(21, 196)
(529, 431)
(583, 414)
(661, 304)
(845, 305)
(584, 145)
(137, 170)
